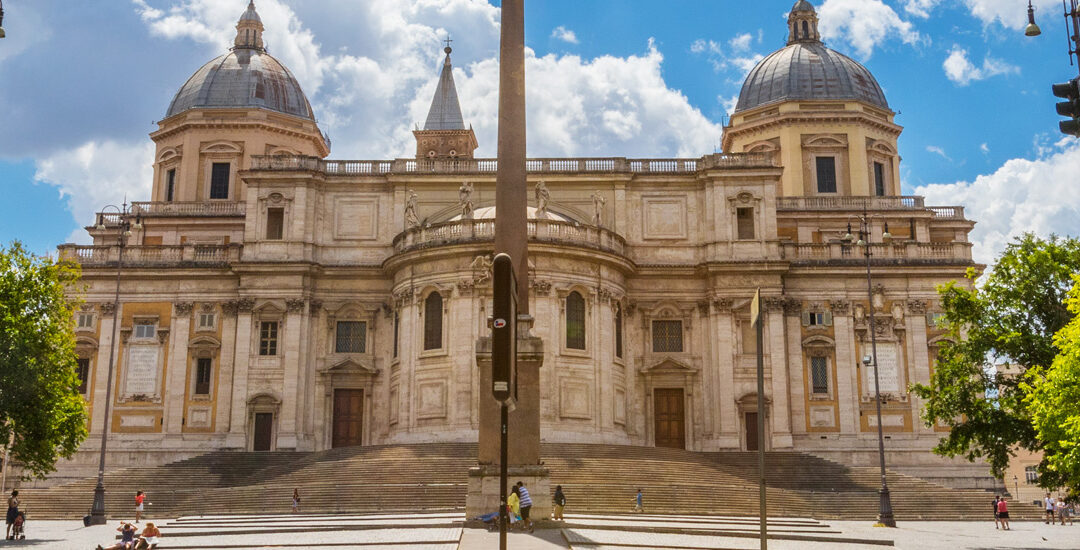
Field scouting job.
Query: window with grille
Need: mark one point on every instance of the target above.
(879, 179)
(397, 329)
(85, 321)
(618, 331)
(433, 321)
(575, 321)
(206, 321)
(351, 337)
(82, 368)
(667, 337)
(144, 330)
(744, 219)
(219, 180)
(268, 338)
(826, 174)
(170, 184)
(202, 375)
(1031, 475)
(275, 224)
(819, 375)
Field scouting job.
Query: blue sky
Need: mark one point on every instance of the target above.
(82, 83)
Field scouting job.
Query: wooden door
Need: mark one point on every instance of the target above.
(348, 417)
(750, 425)
(668, 412)
(264, 429)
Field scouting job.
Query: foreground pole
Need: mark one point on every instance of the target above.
(756, 319)
(511, 188)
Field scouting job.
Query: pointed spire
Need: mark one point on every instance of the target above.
(803, 23)
(249, 30)
(445, 112)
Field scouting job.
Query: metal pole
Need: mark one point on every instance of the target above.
(503, 459)
(97, 510)
(762, 509)
(511, 187)
(885, 512)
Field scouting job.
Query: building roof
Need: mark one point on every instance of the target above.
(445, 111)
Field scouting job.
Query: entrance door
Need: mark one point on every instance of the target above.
(348, 417)
(750, 425)
(264, 429)
(668, 411)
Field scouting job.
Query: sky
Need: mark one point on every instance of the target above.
(82, 84)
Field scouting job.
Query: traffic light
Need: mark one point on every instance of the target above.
(1070, 91)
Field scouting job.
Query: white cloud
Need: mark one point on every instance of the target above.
(864, 24)
(564, 34)
(741, 57)
(984, 148)
(729, 103)
(962, 71)
(1013, 199)
(920, 8)
(938, 151)
(741, 42)
(1011, 13)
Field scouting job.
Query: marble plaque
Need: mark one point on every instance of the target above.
(889, 363)
(142, 370)
(137, 421)
(665, 217)
(356, 219)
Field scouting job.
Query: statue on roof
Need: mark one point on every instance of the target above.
(542, 198)
(411, 219)
(598, 202)
(465, 200)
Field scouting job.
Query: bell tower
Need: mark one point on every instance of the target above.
(444, 135)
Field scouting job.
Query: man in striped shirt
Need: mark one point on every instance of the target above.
(526, 505)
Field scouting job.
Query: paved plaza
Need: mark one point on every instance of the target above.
(588, 532)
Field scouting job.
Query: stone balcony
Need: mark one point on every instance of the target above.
(872, 204)
(908, 252)
(193, 255)
(198, 209)
(483, 230)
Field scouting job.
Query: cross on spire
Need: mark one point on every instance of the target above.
(448, 41)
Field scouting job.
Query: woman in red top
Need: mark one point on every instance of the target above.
(1003, 513)
(139, 498)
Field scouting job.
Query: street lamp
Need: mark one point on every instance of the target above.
(2, 33)
(125, 225)
(885, 511)
(1016, 483)
(1032, 29)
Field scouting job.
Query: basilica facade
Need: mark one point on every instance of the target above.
(274, 299)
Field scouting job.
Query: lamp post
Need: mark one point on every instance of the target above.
(2, 33)
(885, 511)
(1016, 484)
(1032, 29)
(124, 216)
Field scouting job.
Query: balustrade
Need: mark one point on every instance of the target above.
(852, 203)
(463, 231)
(823, 252)
(189, 209)
(151, 255)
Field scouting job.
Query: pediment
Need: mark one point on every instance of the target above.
(669, 364)
(818, 340)
(351, 366)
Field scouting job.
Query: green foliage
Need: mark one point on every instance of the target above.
(1053, 399)
(41, 410)
(1011, 319)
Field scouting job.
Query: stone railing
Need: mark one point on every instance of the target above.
(894, 252)
(465, 231)
(490, 166)
(152, 255)
(198, 209)
(850, 203)
(948, 212)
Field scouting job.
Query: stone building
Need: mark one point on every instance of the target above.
(273, 299)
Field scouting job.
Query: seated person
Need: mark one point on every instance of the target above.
(149, 538)
(127, 538)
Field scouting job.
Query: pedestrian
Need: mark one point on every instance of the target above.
(1003, 513)
(140, 498)
(1049, 502)
(638, 502)
(560, 502)
(513, 502)
(997, 519)
(1060, 509)
(296, 500)
(12, 512)
(149, 538)
(127, 538)
(526, 505)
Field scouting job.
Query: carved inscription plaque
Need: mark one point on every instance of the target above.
(142, 371)
(888, 360)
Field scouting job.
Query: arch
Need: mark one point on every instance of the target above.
(264, 398)
(86, 342)
(818, 340)
(221, 146)
(805, 29)
(284, 151)
(168, 153)
(433, 321)
(938, 340)
(204, 342)
(761, 147)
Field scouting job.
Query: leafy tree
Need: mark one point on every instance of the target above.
(41, 411)
(1011, 318)
(1053, 398)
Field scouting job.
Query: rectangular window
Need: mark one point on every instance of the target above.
(744, 217)
(749, 337)
(879, 179)
(170, 184)
(275, 223)
(826, 174)
(85, 321)
(351, 337)
(667, 337)
(816, 318)
(397, 329)
(219, 180)
(935, 320)
(819, 375)
(82, 367)
(1031, 475)
(206, 321)
(144, 330)
(268, 336)
(202, 376)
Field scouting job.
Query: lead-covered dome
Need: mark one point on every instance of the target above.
(247, 76)
(806, 69)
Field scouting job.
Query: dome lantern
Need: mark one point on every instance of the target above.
(803, 23)
(249, 30)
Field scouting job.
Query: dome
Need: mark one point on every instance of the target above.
(806, 69)
(247, 76)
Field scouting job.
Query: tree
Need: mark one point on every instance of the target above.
(41, 411)
(1053, 398)
(1012, 318)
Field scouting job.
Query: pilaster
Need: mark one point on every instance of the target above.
(238, 423)
(101, 373)
(176, 376)
(847, 372)
(291, 350)
(778, 383)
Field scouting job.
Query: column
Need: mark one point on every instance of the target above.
(725, 364)
(238, 423)
(176, 375)
(291, 351)
(780, 421)
(226, 359)
(847, 371)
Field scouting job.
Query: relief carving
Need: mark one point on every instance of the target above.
(917, 307)
(314, 306)
(183, 308)
(294, 305)
(208, 307)
(542, 287)
(108, 308)
(792, 307)
(245, 305)
(840, 307)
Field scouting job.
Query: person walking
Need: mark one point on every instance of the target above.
(1049, 503)
(1003, 513)
(296, 500)
(638, 502)
(12, 512)
(140, 498)
(997, 519)
(560, 502)
(513, 502)
(526, 505)
(1059, 507)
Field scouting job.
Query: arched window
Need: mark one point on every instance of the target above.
(433, 321)
(575, 321)
(805, 30)
(618, 330)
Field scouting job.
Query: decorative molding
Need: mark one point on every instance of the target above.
(314, 306)
(721, 305)
(162, 335)
(840, 307)
(403, 297)
(183, 308)
(605, 295)
(388, 310)
(208, 307)
(465, 286)
(245, 305)
(792, 306)
(108, 308)
(630, 309)
(229, 308)
(773, 303)
(917, 307)
(295, 305)
(542, 287)
(703, 308)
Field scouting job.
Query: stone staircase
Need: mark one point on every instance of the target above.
(433, 478)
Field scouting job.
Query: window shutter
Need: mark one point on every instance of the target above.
(806, 318)
(827, 318)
